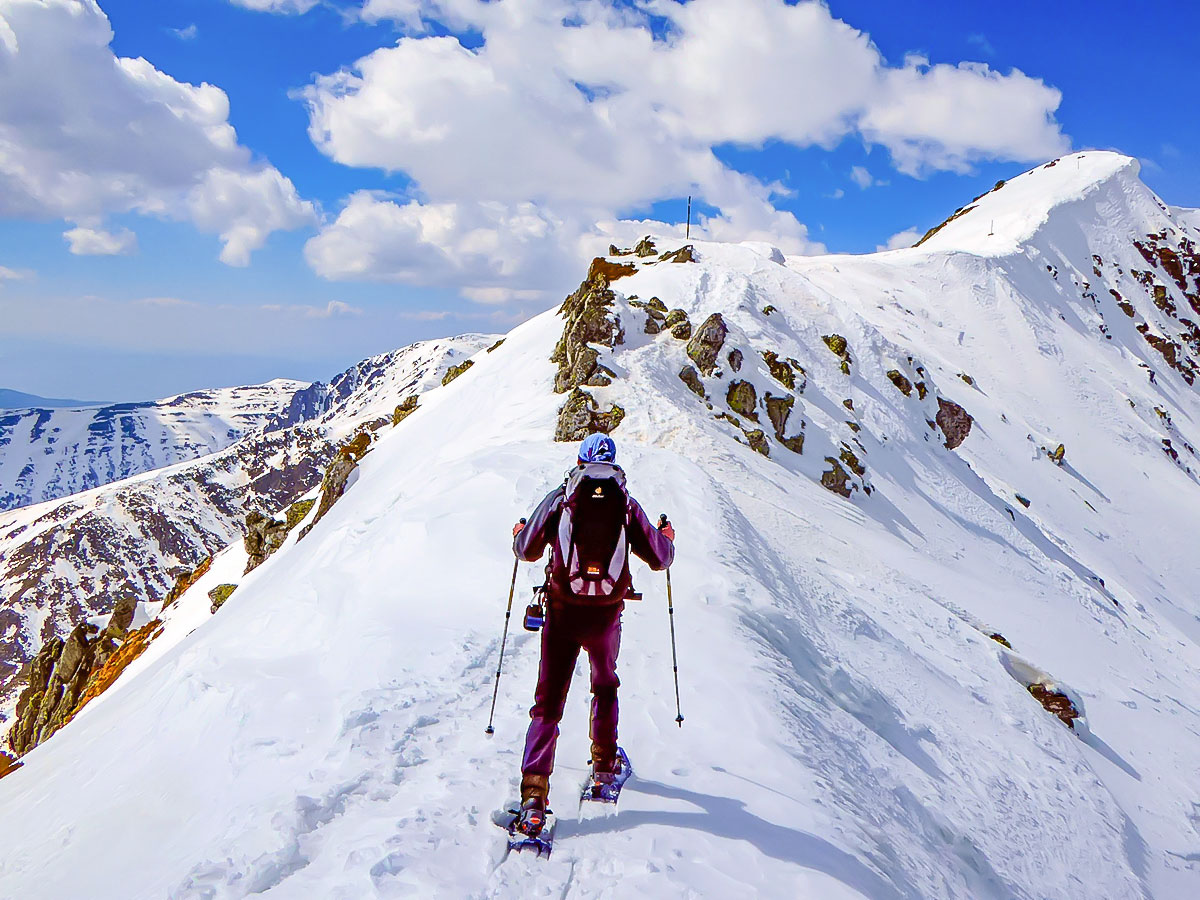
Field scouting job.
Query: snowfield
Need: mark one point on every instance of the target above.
(852, 730)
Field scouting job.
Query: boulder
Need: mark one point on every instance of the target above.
(677, 322)
(644, 247)
(454, 371)
(743, 399)
(684, 254)
(903, 385)
(220, 594)
(691, 378)
(588, 320)
(954, 421)
(780, 370)
(836, 478)
(735, 360)
(580, 416)
(264, 536)
(404, 409)
(706, 343)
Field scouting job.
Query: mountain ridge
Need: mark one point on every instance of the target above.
(868, 625)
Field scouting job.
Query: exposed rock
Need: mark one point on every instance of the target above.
(954, 421)
(921, 389)
(264, 536)
(677, 321)
(220, 594)
(691, 378)
(1057, 703)
(1058, 454)
(454, 371)
(840, 348)
(903, 385)
(852, 463)
(356, 448)
(706, 343)
(603, 272)
(8, 764)
(778, 411)
(57, 677)
(587, 321)
(836, 478)
(614, 250)
(404, 409)
(186, 580)
(105, 672)
(1000, 639)
(743, 399)
(644, 247)
(780, 370)
(297, 511)
(768, 309)
(967, 378)
(684, 254)
(333, 485)
(1022, 500)
(656, 314)
(758, 441)
(495, 346)
(580, 416)
(735, 360)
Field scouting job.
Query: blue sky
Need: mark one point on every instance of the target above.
(429, 204)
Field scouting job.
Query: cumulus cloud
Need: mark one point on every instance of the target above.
(98, 242)
(534, 142)
(85, 134)
(901, 240)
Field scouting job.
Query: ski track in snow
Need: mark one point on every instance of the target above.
(850, 729)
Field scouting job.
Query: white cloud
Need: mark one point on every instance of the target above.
(7, 274)
(901, 240)
(277, 6)
(98, 242)
(570, 114)
(185, 34)
(85, 134)
(860, 176)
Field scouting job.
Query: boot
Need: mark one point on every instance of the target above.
(532, 818)
(604, 759)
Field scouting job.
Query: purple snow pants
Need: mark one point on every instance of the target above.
(569, 627)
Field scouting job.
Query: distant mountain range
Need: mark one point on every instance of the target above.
(10, 399)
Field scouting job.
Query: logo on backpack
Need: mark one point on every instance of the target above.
(591, 530)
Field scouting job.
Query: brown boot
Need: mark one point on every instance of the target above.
(604, 758)
(535, 786)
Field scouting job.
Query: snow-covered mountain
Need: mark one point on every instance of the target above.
(67, 560)
(922, 498)
(46, 454)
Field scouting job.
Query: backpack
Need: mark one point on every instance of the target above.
(591, 532)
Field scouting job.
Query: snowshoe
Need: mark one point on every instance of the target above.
(528, 829)
(605, 787)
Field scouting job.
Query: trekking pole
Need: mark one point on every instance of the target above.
(503, 640)
(671, 614)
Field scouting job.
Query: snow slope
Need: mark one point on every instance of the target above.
(46, 454)
(851, 729)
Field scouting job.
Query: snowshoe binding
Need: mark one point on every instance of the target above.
(530, 826)
(604, 786)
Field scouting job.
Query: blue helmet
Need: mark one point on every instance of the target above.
(598, 448)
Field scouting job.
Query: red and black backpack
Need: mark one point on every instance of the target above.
(592, 532)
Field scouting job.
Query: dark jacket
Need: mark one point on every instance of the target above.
(646, 541)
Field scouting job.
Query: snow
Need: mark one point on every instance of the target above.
(851, 730)
(50, 453)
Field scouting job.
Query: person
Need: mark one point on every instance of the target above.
(584, 603)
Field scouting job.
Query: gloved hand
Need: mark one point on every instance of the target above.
(664, 525)
(517, 528)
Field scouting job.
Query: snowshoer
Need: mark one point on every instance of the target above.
(590, 523)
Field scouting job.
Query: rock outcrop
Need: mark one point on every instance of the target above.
(743, 399)
(454, 371)
(219, 595)
(59, 674)
(954, 421)
(404, 409)
(581, 415)
(707, 342)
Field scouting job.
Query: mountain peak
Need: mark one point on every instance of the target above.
(1000, 221)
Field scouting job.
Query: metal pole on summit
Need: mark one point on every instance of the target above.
(671, 614)
(503, 640)
(687, 235)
